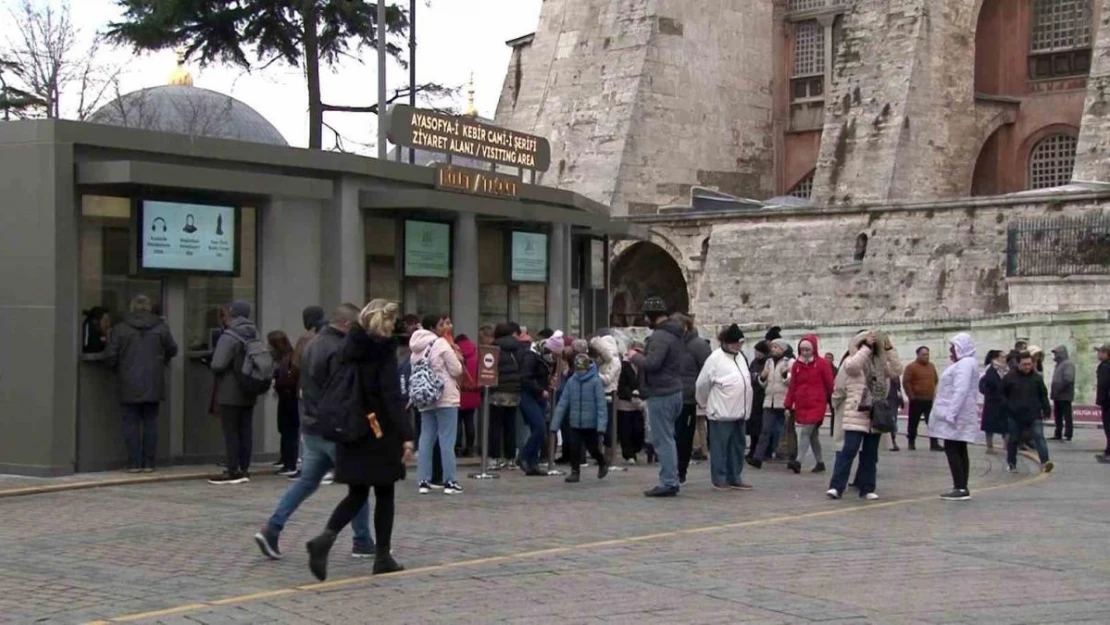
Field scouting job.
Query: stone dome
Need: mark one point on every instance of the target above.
(185, 109)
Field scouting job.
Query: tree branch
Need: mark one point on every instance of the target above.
(398, 94)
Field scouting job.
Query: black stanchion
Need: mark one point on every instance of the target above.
(483, 472)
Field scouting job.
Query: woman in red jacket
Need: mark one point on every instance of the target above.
(469, 398)
(810, 385)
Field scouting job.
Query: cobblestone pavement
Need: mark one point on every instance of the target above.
(1027, 549)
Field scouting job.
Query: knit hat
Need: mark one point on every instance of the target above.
(581, 346)
(732, 334)
(781, 343)
(774, 333)
(582, 362)
(763, 348)
(655, 305)
(555, 344)
(239, 308)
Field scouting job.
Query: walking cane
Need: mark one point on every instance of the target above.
(483, 472)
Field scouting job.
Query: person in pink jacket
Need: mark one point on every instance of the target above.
(439, 422)
(471, 396)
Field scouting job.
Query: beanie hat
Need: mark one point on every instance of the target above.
(655, 305)
(239, 308)
(774, 333)
(732, 334)
(582, 362)
(781, 343)
(763, 348)
(556, 343)
(580, 346)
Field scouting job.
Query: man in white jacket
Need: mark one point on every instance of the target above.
(724, 391)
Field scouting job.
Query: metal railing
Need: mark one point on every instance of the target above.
(1059, 246)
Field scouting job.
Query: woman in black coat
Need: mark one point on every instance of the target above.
(994, 404)
(373, 461)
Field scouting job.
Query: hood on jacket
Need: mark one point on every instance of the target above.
(507, 342)
(673, 327)
(964, 346)
(812, 340)
(361, 345)
(421, 340)
(313, 318)
(606, 347)
(242, 327)
(143, 320)
(857, 341)
(588, 374)
(467, 347)
(1061, 353)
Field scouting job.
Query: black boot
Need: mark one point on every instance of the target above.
(602, 469)
(574, 477)
(820, 468)
(318, 549)
(384, 563)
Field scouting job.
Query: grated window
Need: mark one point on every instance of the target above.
(804, 188)
(1052, 161)
(809, 48)
(1061, 25)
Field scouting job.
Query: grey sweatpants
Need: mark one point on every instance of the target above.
(808, 436)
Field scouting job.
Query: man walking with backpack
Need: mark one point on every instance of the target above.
(320, 360)
(244, 369)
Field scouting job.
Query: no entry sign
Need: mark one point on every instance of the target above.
(488, 356)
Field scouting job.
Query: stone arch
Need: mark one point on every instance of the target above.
(986, 176)
(642, 269)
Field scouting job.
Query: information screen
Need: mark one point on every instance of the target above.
(198, 238)
(529, 257)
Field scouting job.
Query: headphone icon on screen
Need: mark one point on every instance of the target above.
(154, 224)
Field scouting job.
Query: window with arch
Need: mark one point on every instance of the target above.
(804, 188)
(1060, 42)
(1051, 162)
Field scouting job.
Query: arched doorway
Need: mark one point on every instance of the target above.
(643, 270)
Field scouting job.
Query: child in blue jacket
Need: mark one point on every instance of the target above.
(583, 399)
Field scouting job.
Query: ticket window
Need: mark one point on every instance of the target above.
(106, 286)
(409, 262)
(206, 296)
(503, 298)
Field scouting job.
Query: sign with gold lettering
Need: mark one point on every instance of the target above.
(463, 136)
(451, 178)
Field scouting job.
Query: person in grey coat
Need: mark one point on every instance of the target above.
(138, 351)
(236, 406)
(1063, 393)
(661, 368)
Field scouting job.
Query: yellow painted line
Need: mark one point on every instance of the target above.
(123, 481)
(350, 581)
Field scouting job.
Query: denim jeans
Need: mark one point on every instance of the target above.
(438, 425)
(866, 446)
(663, 412)
(142, 447)
(318, 457)
(727, 440)
(533, 411)
(1036, 429)
(774, 423)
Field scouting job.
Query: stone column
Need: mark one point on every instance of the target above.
(464, 276)
(1092, 155)
(176, 294)
(558, 286)
(343, 247)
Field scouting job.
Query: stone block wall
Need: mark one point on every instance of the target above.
(923, 261)
(1092, 155)
(642, 100)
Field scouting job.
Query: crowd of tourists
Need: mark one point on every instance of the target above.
(358, 396)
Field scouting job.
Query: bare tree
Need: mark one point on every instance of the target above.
(55, 64)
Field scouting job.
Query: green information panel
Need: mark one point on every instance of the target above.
(427, 249)
(529, 258)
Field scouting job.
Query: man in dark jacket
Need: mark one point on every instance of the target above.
(319, 360)
(1027, 405)
(314, 320)
(755, 421)
(138, 351)
(504, 399)
(236, 405)
(696, 351)
(661, 367)
(1063, 393)
(1102, 397)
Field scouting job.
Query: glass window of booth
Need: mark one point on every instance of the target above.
(104, 255)
(427, 267)
(383, 275)
(502, 297)
(206, 296)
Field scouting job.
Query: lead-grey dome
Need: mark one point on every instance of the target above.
(188, 110)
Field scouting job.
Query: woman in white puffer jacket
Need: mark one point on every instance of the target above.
(724, 391)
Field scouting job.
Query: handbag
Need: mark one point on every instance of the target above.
(883, 415)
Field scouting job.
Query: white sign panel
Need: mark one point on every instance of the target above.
(188, 237)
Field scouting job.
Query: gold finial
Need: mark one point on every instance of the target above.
(180, 76)
(471, 109)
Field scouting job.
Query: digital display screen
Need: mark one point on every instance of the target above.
(181, 237)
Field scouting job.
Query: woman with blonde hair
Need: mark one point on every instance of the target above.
(378, 460)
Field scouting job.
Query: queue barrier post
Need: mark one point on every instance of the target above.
(483, 418)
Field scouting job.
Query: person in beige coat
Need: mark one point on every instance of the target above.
(864, 374)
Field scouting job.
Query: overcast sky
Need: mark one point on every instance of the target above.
(454, 37)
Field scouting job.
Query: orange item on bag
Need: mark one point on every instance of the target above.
(374, 425)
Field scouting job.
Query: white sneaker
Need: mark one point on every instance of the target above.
(832, 493)
(329, 478)
(871, 496)
(452, 488)
(424, 488)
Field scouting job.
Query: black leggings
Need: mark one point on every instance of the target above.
(583, 438)
(958, 463)
(684, 429)
(357, 494)
(502, 432)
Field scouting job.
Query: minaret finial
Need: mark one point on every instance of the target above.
(180, 76)
(471, 109)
